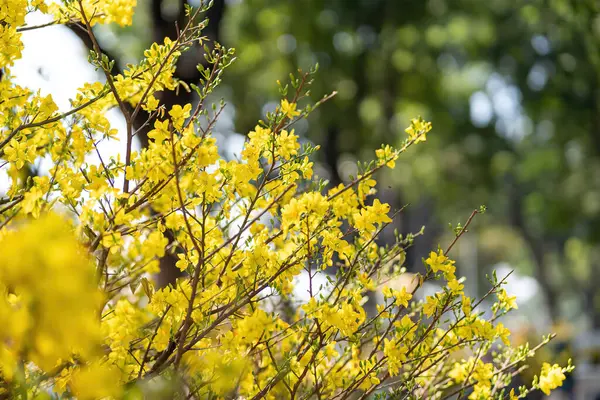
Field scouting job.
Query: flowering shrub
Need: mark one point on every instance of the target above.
(81, 317)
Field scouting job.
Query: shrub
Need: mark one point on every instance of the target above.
(81, 317)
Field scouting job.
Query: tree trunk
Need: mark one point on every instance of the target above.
(537, 248)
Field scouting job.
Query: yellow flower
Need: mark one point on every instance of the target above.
(503, 333)
(96, 381)
(455, 286)
(437, 261)
(461, 370)
(10, 45)
(551, 377)
(483, 372)
(112, 241)
(19, 152)
(287, 144)
(387, 155)
(481, 391)
(57, 307)
(387, 292)
(418, 129)
(289, 109)
(40, 5)
(98, 12)
(466, 305)
(396, 355)
(180, 114)
(506, 301)
(430, 305)
(403, 297)
(151, 103)
(365, 281)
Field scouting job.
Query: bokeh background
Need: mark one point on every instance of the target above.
(512, 88)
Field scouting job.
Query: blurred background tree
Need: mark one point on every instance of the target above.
(512, 89)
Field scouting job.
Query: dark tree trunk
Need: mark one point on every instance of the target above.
(332, 154)
(537, 247)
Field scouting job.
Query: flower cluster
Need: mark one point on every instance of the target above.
(552, 376)
(50, 299)
(95, 11)
(82, 242)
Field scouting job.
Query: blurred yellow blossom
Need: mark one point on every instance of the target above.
(551, 377)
